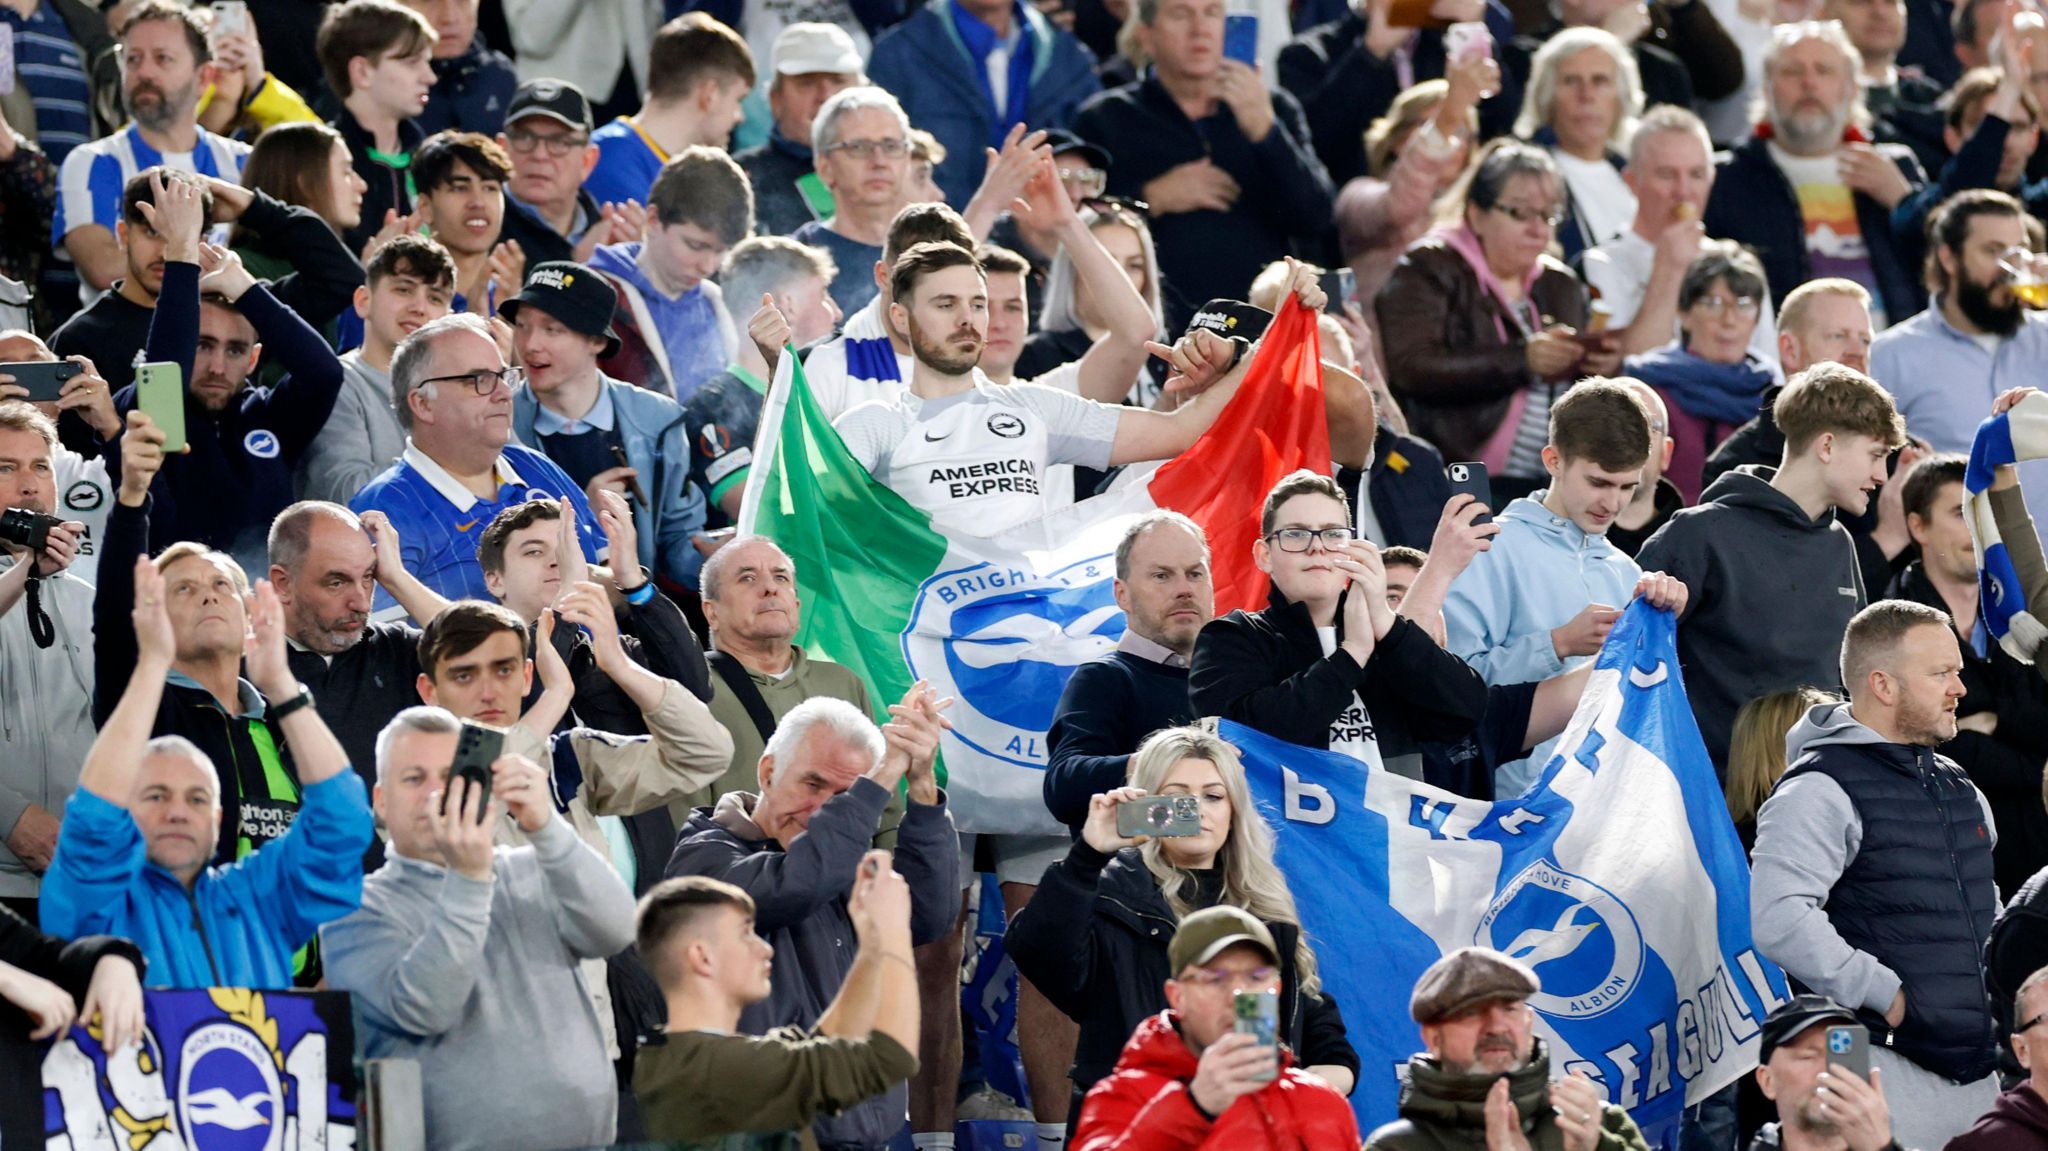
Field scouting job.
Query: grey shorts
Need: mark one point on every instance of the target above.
(1014, 858)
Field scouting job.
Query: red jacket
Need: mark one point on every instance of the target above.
(1144, 1105)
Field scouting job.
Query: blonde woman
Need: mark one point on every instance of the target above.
(1093, 938)
(1756, 751)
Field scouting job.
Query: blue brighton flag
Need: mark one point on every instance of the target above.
(1617, 877)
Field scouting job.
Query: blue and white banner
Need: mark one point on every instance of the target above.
(224, 1069)
(1618, 877)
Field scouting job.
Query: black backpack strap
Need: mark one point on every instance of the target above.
(742, 685)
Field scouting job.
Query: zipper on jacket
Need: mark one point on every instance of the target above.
(198, 926)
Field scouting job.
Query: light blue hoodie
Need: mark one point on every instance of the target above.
(1541, 571)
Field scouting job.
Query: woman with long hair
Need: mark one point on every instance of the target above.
(1093, 938)
(1072, 321)
(307, 166)
(1756, 751)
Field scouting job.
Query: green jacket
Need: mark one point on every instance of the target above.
(1441, 1111)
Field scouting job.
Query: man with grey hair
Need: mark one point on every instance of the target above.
(465, 956)
(1807, 193)
(794, 847)
(460, 469)
(1635, 276)
(2018, 1120)
(808, 64)
(721, 416)
(860, 143)
(1873, 881)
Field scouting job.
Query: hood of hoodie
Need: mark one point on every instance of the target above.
(1827, 725)
(1554, 530)
(2022, 1107)
(1749, 486)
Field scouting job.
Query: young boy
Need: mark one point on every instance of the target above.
(698, 71)
(460, 178)
(376, 57)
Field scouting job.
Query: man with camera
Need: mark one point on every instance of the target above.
(1821, 1103)
(1193, 1077)
(46, 672)
(464, 956)
(795, 848)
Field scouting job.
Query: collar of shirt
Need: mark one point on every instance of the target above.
(577, 226)
(246, 696)
(451, 489)
(600, 417)
(982, 39)
(1145, 649)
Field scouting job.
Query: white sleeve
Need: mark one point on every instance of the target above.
(869, 431)
(825, 375)
(1078, 431)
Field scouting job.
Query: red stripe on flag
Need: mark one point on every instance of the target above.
(1274, 425)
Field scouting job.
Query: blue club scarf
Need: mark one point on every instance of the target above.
(1722, 393)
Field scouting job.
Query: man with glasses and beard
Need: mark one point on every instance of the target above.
(1946, 365)
(1478, 1029)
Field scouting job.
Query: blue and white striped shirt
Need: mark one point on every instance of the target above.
(90, 182)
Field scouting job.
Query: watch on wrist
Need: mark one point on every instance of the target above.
(278, 712)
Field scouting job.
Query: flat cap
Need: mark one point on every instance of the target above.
(1466, 978)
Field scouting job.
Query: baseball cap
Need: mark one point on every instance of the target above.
(1063, 142)
(581, 299)
(558, 100)
(1212, 931)
(1791, 1020)
(1231, 319)
(805, 48)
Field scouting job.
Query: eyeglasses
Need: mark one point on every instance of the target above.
(1745, 306)
(522, 140)
(869, 149)
(1219, 977)
(1092, 180)
(1523, 214)
(1117, 205)
(483, 381)
(2035, 1021)
(1299, 539)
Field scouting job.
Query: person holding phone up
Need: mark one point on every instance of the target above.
(1828, 1099)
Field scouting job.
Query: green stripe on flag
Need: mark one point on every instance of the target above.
(859, 567)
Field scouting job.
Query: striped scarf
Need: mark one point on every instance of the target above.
(2020, 434)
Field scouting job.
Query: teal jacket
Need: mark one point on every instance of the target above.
(239, 924)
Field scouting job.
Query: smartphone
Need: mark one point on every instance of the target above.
(817, 197)
(476, 749)
(230, 18)
(1468, 40)
(1257, 1014)
(160, 395)
(1849, 1045)
(1160, 816)
(44, 379)
(1241, 38)
(1341, 286)
(1471, 479)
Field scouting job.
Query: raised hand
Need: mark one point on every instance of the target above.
(586, 604)
(622, 538)
(221, 271)
(1099, 830)
(142, 457)
(912, 734)
(156, 645)
(1578, 1103)
(178, 215)
(89, 394)
(769, 329)
(1233, 1066)
(269, 665)
(523, 787)
(460, 830)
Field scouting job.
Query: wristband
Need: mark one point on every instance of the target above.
(278, 712)
(640, 596)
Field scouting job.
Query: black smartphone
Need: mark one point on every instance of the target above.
(476, 749)
(1849, 1045)
(1340, 286)
(44, 379)
(1470, 478)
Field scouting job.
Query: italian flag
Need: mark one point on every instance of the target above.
(999, 622)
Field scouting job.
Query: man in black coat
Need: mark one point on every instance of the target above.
(1328, 664)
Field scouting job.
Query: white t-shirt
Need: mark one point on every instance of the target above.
(1352, 734)
(1618, 271)
(1059, 478)
(836, 387)
(84, 494)
(1600, 197)
(976, 460)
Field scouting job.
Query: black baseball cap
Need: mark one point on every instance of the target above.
(1231, 319)
(1063, 142)
(558, 100)
(1791, 1020)
(581, 299)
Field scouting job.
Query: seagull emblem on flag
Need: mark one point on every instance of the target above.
(1034, 637)
(218, 1107)
(1540, 945)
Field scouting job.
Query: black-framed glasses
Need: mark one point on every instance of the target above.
(1301, 539)
(1523, 214)
(483, 381)
(557, 144)
(2035, 1021)
(868, 149)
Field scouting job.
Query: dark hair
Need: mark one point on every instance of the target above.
(411, 254)
(691, 49)
(372, 29)
(1927, 479)
(674, 906)
(1874, 634)
(1301, 483)
(996, 258)
(137, 191)
(1722, 263)
(923, 260)
(703, 186)
(187, 19)
(490, 547)
(1403, 554)
(925, 224)
(1973, 89)
(433, 162)
(1501, 162)
(462, 627)
(1602, 421)
(1950, 226)
(1828, 397)
(289, 162)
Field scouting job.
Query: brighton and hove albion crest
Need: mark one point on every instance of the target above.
(1582, 942)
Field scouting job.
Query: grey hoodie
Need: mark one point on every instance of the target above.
(1806, 836)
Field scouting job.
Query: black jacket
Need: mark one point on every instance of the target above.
(69, 966)
(1106, 710)
(535, 237)
(2018, 947)
(1752, 628)
(1408, 488)
(325, 272)
(1267, 670)
(1093, 941)
(389, 188)
(1754, 204)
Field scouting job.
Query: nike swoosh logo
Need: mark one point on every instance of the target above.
(932, 439)
(465, 527)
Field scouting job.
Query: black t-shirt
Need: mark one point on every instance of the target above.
(111, 333)
(581, 454)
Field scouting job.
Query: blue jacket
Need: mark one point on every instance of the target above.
(250, 915)
(926, 66)
(650, 427)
